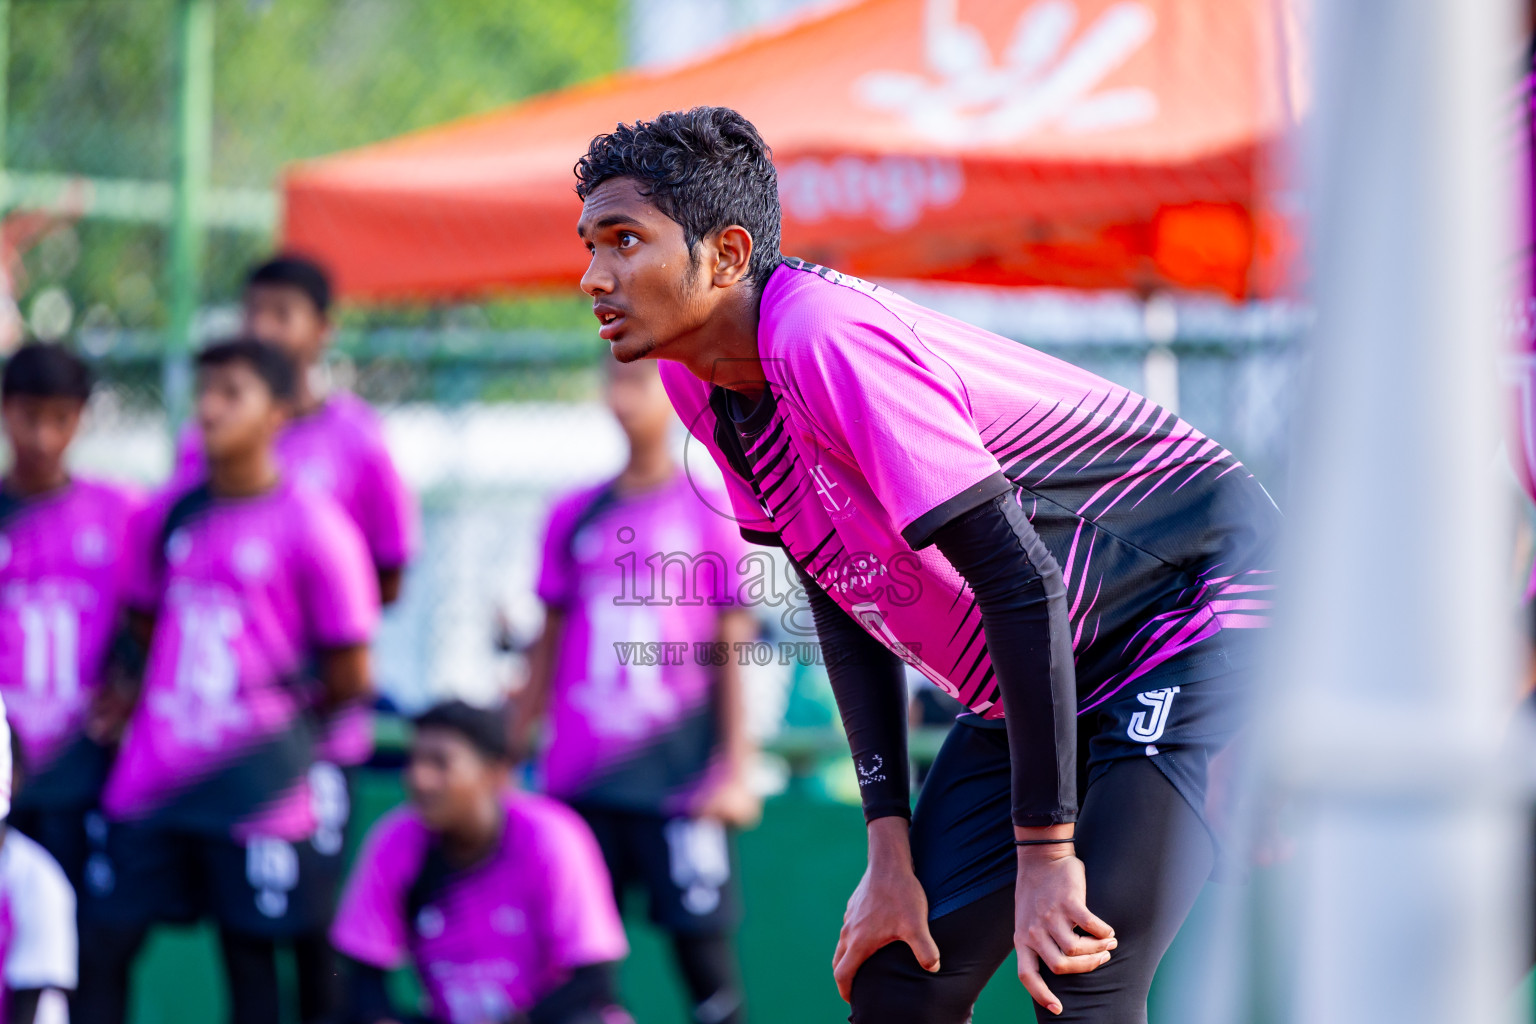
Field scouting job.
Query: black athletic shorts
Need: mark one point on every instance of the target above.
(138, 874)
(60, 831)
(962, 830)
(687, 867)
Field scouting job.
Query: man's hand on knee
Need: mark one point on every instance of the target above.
(1050, 903)
(888, 906)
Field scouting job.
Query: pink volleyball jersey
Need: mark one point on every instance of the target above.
(61, 596)
(245, 593)
(642, 580)
(339, 449)
(488, 941)
(884, 420)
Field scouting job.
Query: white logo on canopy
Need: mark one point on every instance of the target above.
(1047, 78)
(893, 190)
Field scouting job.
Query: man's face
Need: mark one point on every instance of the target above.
(285, 316)
(645, 290)
(638, 400)
(236, 411)
(40, 429)
(449, 781)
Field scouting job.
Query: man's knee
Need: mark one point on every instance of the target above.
(892, 989)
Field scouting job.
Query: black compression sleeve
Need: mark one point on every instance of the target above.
(584, 995)
(870, 685)
(368, 996)
(1023, 604)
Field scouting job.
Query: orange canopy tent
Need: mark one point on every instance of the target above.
(1086, 143)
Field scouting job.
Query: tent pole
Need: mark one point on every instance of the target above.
(194, 129)
(5, 95)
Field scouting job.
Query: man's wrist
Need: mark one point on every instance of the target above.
(890, 844)
(1045, 851)
(739, 761)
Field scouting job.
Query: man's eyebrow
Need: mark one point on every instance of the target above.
(610, 221)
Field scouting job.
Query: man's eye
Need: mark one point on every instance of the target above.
(626, 239)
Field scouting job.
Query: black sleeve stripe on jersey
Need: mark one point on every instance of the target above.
(762, 537)
(788, 500)
(832, 558)
(810, 556)
(10, 504)
(606, 497)
(433, 875)
(185, 509)
(919, 533)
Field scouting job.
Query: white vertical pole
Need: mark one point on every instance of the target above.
(1394, 669)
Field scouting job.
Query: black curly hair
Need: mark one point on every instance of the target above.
(43, 370)
(481, 728)
(274, 366)
(706, 168)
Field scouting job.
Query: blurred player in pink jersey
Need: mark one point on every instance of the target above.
(62, 543)
(256, 599)
(499, 899)
(334, 442)
(653, 751)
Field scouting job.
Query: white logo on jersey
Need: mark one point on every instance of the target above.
(317, 475)
(253, 558)
(201, 705)
(272, 868)
(618, 699)
(328, 799)
(177, 547)
(50, 644)
(508, 920)
(91, 546)
(832, 497)
(99, 876)
(430, 923)
(869, 615)
(701, 862)
(1144, 729)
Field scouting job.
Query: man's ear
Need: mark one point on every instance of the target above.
(732, 251)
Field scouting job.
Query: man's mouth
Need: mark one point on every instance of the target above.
(612, 322)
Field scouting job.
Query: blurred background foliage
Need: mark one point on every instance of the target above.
(91, 90)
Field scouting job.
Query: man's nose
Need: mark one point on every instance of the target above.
(597, 280)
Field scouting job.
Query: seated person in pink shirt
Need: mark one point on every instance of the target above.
(498, 898)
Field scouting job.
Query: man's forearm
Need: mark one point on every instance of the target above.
(869, 684)
(345, 674)
(531, 703)
(1019, 593)
(389, 585)
(736, 744)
